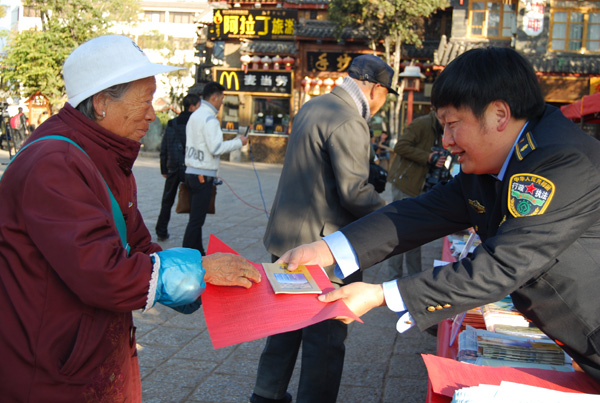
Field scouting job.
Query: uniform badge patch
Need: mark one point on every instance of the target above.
(529, 195)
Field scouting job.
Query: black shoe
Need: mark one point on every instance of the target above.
(162, 238)
(259, 399)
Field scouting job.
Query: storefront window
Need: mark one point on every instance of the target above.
(271, 115)
(231, 118)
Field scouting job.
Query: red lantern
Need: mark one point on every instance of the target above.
(317, 82)
(246, 60)
(288, 62)
(266, 62)
(306, 81)
(255, 62)
(328, 82)
(276, 62)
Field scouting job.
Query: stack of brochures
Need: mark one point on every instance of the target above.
(482, 347)
(502, 317)
(474, 317)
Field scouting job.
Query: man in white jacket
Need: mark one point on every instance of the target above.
(204, 146)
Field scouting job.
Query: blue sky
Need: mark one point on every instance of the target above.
(5, 22)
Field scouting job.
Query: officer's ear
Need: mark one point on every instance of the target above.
(502, 114)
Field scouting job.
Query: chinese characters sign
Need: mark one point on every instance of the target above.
(253, 24)
(533, 19)
(279, 82)
(329, 61)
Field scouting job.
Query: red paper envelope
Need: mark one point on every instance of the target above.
(236, 314)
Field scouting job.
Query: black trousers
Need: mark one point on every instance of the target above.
(169, 193)
(200, 195)
(323, 353)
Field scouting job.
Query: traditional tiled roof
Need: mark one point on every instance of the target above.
(275, 47)
(548, 63)
(448, 51)
(573, 64)
(325, 30)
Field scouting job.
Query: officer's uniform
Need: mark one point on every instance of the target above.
(540, 231)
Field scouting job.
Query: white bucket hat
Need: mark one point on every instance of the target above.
(103, 62)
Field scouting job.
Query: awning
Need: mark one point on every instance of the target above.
(587, 108)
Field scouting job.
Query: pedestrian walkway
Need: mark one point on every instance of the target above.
(177, 360)
(176, 355)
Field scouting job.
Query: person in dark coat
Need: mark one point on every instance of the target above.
(172, 162)
(530, 187)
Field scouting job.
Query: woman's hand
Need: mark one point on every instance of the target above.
(229, 269)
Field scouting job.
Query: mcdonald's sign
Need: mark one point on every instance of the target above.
(229, 79)
(278, 82)
(259, 128)
(231, 126)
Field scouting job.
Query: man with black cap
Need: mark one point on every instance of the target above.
(323, 187)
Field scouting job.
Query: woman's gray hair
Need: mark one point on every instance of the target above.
(115, 92)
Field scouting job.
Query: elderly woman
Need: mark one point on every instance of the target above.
(73, 264)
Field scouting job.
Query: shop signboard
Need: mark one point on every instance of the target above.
(273, 82)
(533, 18)
(329, 61)
(253, 24)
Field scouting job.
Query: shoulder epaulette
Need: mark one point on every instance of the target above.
(525, 145)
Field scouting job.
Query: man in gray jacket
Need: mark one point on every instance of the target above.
(323, 187)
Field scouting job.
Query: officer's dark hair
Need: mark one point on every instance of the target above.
(189, 100)
(212, 88)
(480, 76)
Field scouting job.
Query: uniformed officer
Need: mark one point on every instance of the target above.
(529, 185)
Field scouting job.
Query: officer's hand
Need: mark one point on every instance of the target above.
(229, 269)
(313, 253)
(359, 297)
(244, 140)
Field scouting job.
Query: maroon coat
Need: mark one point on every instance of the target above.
(67, 287)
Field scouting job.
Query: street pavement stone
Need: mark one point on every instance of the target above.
(177, 360)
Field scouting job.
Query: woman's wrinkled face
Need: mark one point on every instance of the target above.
(130, 116)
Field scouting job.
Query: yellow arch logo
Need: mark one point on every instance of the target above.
(229, 126)
(231, 78)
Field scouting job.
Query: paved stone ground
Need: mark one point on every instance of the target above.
(178, 362)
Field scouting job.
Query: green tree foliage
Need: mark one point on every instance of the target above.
(395, 20)
(175, 80)
(35, 57)
(387, 22)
